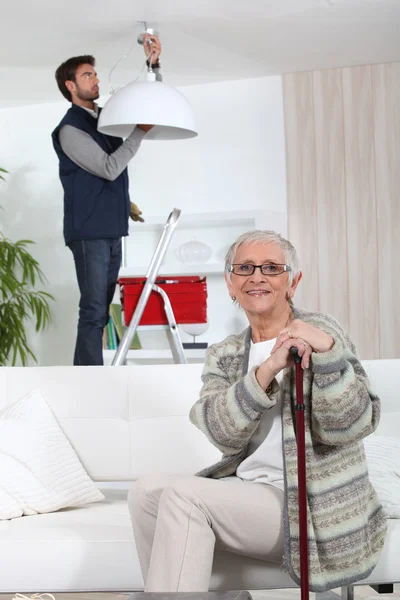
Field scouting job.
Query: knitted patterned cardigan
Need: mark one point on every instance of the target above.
(346, 523)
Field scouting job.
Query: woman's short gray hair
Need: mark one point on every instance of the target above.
(261, 236)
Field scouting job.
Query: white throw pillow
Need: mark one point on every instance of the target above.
(39, 470)
(383, 457)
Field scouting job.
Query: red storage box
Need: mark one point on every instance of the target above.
(187, 295)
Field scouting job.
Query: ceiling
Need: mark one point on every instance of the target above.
(203, 40)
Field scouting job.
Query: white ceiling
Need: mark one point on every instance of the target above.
(203, 40)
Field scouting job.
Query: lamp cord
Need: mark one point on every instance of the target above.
(112, 90)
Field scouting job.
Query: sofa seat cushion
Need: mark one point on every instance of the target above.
(85, 548)
(247, 573)
(91, 548)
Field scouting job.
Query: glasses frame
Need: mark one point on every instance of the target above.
(286, 269)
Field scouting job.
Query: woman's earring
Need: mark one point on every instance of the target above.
(233, 298)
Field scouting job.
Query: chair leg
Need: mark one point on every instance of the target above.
(348, 592)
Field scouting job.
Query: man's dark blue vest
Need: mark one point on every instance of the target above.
(94, 208)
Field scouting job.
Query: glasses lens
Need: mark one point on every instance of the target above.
(271, 269)
(245, 269)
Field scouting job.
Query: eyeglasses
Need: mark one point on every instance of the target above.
(269, 269)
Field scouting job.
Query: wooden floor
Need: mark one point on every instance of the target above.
(361, 593)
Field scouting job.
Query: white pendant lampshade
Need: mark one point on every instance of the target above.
(148, 103)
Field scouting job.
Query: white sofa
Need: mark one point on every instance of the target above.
(124, 422)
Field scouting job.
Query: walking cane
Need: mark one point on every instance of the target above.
(301, 475)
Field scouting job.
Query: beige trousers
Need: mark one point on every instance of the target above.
(178, 521)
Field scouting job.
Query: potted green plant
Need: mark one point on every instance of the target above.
(19, 300)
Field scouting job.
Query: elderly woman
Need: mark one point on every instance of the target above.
(247, 503)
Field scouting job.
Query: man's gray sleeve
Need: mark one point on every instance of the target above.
(82, 149)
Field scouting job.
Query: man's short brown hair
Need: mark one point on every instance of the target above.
(67, 72)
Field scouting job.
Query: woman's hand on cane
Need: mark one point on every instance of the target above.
(319, 340)
(280, 359)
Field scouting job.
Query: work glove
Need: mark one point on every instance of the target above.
(135, 213)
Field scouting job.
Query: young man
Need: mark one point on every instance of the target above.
(94, 175)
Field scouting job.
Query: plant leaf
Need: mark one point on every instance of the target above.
(19, 301)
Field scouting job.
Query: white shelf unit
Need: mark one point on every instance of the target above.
(175, 269)
(156, 355)
(218, 230)
(198, 220)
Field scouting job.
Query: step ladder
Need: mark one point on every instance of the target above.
(174, 339)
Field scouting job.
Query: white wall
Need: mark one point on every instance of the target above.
(236, 163)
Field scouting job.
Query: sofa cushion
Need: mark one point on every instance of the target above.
(91, 548)
(39, 470)
(383, 457)
(85, 548)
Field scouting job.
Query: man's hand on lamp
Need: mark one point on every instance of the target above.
(145, 127)
(152, 49)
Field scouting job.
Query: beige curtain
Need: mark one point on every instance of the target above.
(342, 130)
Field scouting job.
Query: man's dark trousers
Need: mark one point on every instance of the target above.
(97, 264)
